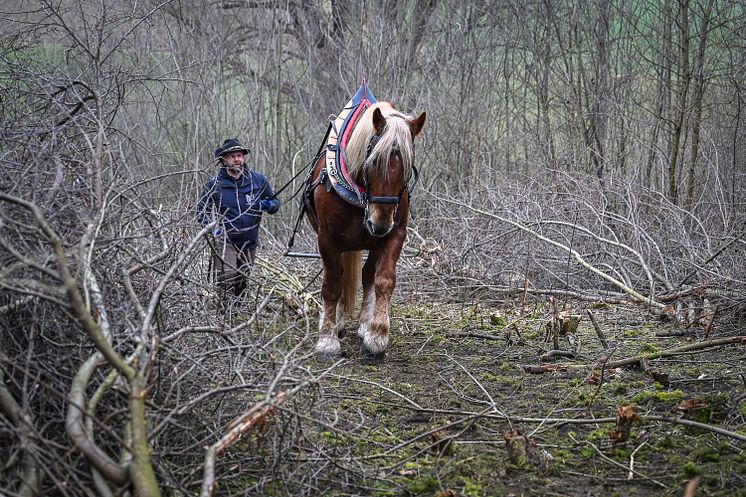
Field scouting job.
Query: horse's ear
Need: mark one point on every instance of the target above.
(417, 124)
(378, 120)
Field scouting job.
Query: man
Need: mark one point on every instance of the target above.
(236, 198)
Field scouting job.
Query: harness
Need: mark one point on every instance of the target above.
(335, 175)
(337, 139)
(368, 199)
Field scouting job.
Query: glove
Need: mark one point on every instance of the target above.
(217, 232)
(268, 206)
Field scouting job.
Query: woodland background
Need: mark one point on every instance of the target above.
(592, 150)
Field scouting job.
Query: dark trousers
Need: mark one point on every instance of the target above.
(231, 266)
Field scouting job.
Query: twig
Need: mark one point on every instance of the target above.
(601, 380)
(599, 333)
(31, 475)
(525, 283)
(615, 463)
(467, 334)
(710, 322)
(631, 474)
(15, 304)
(691, 487)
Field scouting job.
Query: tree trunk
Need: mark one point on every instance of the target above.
(663, 104)
(698, 94)
(600, 104)
(681, 98)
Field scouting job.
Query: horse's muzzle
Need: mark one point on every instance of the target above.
(379, 230)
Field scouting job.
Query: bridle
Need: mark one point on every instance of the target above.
(384, 199)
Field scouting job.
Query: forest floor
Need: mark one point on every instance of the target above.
(431, 417)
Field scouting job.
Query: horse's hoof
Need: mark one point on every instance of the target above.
(328, 350)
(328, 356)
(368, 356)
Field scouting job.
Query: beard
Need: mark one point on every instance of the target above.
(234, 168)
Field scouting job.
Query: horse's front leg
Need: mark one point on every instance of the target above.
(331, 290)
(368, 306)
(376, 337)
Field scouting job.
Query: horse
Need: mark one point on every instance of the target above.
(380, 160)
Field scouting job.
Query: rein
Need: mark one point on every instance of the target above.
(305, 166)
(302, 212)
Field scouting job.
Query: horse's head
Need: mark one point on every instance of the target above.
(381, 157)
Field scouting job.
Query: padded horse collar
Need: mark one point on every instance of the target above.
(336, 165)
(340, 132)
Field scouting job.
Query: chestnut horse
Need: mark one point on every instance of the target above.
(380, 158)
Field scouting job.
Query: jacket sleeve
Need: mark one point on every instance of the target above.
(269, 202)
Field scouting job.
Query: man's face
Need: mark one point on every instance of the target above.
(234, 162)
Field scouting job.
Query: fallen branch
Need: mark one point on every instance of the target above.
(615, 463)
(678, 350)
(254, 417)
(468, 334)
(75, 425)
(573, 253)
(631, 473)
(558, 353)
(548, 368)
(31, 475)
(670, 333)
(696, 424)
(738, 340)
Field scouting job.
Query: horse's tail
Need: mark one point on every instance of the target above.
(352, 264)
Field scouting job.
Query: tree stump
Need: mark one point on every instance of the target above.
(625, 417)
(518, 447)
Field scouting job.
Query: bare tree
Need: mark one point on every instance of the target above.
(117, 365)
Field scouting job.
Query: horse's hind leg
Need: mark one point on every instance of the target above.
(351, 263)
(331, 290)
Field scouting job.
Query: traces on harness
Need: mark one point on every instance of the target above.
(310, 187)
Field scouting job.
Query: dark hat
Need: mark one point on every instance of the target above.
(230, 145)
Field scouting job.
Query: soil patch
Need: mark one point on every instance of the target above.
(431, 418)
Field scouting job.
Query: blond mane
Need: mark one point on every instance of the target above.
(396, 135)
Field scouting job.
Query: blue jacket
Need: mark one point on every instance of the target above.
(237, 205)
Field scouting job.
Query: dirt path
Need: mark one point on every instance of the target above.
(431, 418)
